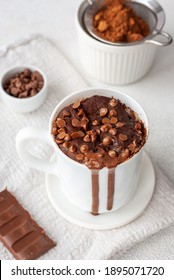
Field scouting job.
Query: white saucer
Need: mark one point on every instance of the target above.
(111, 220)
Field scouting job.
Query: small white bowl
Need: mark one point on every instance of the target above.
(22, 105)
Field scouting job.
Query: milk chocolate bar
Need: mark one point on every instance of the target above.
(22, 236)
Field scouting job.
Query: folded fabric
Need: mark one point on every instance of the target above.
(28, 185)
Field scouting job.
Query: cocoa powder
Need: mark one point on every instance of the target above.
(117, 22)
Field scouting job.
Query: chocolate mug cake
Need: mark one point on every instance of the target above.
(99, 132)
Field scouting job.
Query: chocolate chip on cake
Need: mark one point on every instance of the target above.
(84, 148)
(95, 122)
(123, 137)
(104, 128)
(113, 131)
(75, 123)
(80, 112)
(67, 137)
(106, 141)
(66, 145)
(72, 149)
(103, 112)
(105, 120)
(112, 113)
(138, 126)
(120, 124)
(75, 135)
(79, 156)
(112, 153)
(113, 120)
(62, 129)
(87, 139)
(61, 135)
(113, 102)
(60, 122)
(76, 104)
(66, 113)
(54, 130)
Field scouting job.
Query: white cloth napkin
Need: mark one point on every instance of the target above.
(28, 185)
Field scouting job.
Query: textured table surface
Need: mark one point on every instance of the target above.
(55, 20)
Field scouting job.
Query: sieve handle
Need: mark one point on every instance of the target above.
(90, 2)
(161, 39)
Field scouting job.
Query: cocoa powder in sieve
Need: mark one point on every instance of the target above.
(117, 22)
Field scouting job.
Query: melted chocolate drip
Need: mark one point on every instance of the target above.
(95, 191)
(111, 188)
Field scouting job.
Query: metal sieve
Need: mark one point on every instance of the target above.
(149, 10)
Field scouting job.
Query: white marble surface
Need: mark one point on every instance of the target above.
(55, 20)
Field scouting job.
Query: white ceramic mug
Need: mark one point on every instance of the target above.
(75, 178)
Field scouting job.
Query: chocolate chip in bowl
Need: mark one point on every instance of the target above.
(23, 88)
(99, 132)
(24, 84)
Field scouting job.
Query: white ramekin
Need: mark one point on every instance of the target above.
(22, 105)
(123, 63)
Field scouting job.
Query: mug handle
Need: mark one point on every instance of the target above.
(161, 39)
(32, 161)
